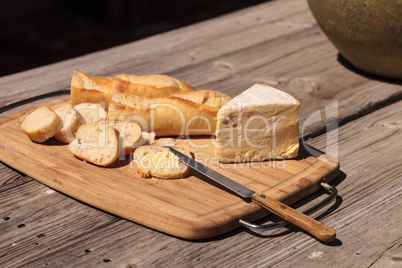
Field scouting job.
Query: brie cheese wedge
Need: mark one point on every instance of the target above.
(260, 123)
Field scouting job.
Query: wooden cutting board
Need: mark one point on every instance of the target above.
(190, 208)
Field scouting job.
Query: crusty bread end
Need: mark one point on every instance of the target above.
(41, 124)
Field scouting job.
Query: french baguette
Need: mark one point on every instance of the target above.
(99, 89)
(207, 97)
(150, 86)
(193, 113)
(90, 89)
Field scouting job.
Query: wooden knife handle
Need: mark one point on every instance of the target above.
(316, 228)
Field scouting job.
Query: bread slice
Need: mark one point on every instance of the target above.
(157, 161)
(41, 124)
(96, 143)
(99, 89)
(193, 113)
(130, 135)
(91, 112)
(72, 120)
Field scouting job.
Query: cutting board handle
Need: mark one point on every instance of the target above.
(312, 226)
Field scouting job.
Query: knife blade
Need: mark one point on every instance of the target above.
(312, 226)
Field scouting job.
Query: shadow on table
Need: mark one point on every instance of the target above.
(342, 60)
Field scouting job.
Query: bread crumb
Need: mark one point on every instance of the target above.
(49, 191)
(315, 255)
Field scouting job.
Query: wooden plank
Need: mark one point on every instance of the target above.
(277, 43)
(369, 219)
(321, 77)
(366, 229)
(176, 207)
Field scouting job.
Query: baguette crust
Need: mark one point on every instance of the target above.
(90, 112)
(150, 86)
(41, 124)
(208, 97)
(100, 89)
(90, 89)
(186, 114)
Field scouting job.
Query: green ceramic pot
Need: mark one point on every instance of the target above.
(368, 33)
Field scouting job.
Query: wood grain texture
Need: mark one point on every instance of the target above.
(367, 221)
(371, 194)
(277, 43)
(190, 208)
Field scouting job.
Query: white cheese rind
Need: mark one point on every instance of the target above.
(261, 123)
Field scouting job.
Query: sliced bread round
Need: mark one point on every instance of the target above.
(96, 143)
(72, 120)
(157, 161)
(130, 134)
(41, 124)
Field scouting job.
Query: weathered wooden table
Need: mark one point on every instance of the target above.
(353, 116)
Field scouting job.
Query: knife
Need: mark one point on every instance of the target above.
(312, 226)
